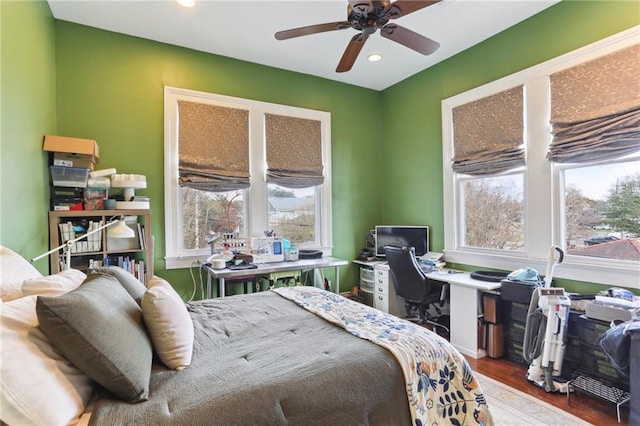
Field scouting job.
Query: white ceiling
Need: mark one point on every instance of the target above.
(245, 30)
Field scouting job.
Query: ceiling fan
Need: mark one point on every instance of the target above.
(368, 17)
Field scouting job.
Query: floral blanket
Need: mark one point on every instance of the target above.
(441, 388)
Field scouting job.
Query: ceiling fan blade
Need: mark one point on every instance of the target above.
(312, 29)
(410, 39)
(351, 52)
(404, 7)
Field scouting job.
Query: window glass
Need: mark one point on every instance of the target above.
(586, 202)
(493, 212)
(206, 215)
(292, 213)
(602, 210)
(193, 217)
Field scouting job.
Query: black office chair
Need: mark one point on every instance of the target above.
(412, 285)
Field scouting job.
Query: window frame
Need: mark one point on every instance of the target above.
(544, 180)
(255, 197)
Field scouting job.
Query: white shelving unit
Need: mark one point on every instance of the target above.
(98, 249)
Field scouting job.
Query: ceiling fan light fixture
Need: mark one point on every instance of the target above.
(374, 57)
(186, 3)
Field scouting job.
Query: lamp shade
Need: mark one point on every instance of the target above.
(120, 230)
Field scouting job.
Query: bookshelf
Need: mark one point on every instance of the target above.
(135, 254)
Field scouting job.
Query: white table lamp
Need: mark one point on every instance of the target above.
(118, 229)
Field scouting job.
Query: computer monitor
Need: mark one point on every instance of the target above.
(402, 236)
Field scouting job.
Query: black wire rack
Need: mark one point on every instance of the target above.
(596, 388)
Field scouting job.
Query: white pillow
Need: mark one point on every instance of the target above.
(37, 385)
(54, 285)
(169, 324)
(14, 269)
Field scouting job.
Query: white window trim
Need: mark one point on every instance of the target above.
(543, 179)
(256, 195)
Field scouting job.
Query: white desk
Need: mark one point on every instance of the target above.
(464, 304)
(465, 299)
(268, 268)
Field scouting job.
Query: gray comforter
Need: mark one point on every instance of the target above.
(261, 359)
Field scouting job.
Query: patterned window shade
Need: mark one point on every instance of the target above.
(294, 151)
(488, 134)
(213, 146)
(595, 109)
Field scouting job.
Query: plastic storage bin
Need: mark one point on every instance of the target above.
(75, 177)
(366, 279)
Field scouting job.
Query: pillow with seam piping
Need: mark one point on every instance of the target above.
(128, 281)
(54, 285)
(169, 324)
(98, 327)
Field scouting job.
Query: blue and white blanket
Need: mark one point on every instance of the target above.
(441, 388)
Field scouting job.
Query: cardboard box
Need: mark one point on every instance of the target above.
(72, 145)
(67, 159)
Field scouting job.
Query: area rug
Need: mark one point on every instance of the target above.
(511, 407)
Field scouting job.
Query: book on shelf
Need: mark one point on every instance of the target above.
(141, 236)
(135, 267)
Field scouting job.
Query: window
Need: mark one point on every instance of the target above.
(493, 212)
(580, 202)
(244, 167)
(292, 212)
(602, 205)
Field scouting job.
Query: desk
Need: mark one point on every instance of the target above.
(464, 294)
(268, 268)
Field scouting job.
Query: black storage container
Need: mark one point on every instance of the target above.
(513, 351)
(634, 378)
(591, 330)
(518, 291)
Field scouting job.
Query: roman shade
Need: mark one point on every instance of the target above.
(294, 151)
(488, 134)
(595, 109)
(213, 146)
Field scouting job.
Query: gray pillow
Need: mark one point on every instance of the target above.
(130, 283)
(100, 329)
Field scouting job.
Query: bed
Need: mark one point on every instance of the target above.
(295, 355)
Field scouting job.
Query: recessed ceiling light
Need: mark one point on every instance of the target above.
(374, 57)
(186, 3)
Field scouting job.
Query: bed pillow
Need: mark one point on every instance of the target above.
(130, 283)
(14, 269)
(37, 384)
(169, 324)
(99, 328)
(54, 285)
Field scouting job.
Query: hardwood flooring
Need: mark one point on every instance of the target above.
(589, 409)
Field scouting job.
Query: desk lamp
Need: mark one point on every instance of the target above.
(119, 230)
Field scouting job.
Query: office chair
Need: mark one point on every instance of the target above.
(412, 285)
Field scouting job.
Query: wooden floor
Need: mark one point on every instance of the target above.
(589, 409)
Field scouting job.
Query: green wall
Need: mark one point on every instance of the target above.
(110, 88)
(412, 167)
(27, 112)
(59, 77)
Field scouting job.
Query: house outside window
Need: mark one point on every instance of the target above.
(197, 216)
(590, 208)
(602, 210)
